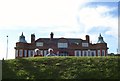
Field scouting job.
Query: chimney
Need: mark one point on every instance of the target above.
(51, 35)
(87, 38)
(32, 38)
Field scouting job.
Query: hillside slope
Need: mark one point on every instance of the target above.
(61, 68)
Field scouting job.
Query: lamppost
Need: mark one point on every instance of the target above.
(7, 48)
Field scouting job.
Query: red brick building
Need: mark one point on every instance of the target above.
(61, 46)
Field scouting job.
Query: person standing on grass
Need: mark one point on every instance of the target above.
(50, 52)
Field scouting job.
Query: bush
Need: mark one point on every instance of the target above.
(62, 68)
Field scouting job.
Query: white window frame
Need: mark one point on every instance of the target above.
(99, 53)
(103, 52)
(63, 54)
(40, 52)
(84, 52)
(89, 53)
(77, 53)
(25, 53)
(16, 53)
(62, 45)
(20, 53)
(94, 53)
(29, 53)
(45, 52)
(32, 52)
(39, 43)
(85, 45)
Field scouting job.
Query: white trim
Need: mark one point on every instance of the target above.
(62, 45)
(39, 43)
(98, 53)
(85, 45)
(25, 53)
(103, 52)
(77, 53)
(20, 53)
(45, 52)
(16, 53)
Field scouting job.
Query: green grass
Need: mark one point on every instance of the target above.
(62, 68)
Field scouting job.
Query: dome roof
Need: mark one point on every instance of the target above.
(100, 39)
(22, 38)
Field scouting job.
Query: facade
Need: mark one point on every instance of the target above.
(61, 46)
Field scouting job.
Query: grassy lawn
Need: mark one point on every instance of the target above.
(62, 68)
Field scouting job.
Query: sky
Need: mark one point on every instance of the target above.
(65, 18)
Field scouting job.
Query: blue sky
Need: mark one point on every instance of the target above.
(66, 18)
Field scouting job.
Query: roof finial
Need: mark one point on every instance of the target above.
(22, 38)
(100, 39)
(100, 35)
(22, 34)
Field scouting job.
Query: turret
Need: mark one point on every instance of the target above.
(22, 38)
(100, 39)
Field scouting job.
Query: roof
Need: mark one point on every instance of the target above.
(22, 38)
(56, 40)
(100, 39)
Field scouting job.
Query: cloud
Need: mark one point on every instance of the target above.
(58, 15)
(38, 13)
(99, 16)
(66, 18)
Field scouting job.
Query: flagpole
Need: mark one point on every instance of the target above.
(7, 48)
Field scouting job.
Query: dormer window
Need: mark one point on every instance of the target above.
(62, 45)
(39, 43)
(85, 45)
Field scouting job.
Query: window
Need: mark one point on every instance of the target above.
(45, 52)
(25, 53)
(63, 53)
(89, 53)
(16, 53)
(20, 53)
(40, 52)
(98, 52)
(84, 44)
(103, 52)
(77, 53)
(32, 52)
(29, 53)
(85, 53)
(39, 43)
(62, 45)
(93, 53)
(82, 53)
